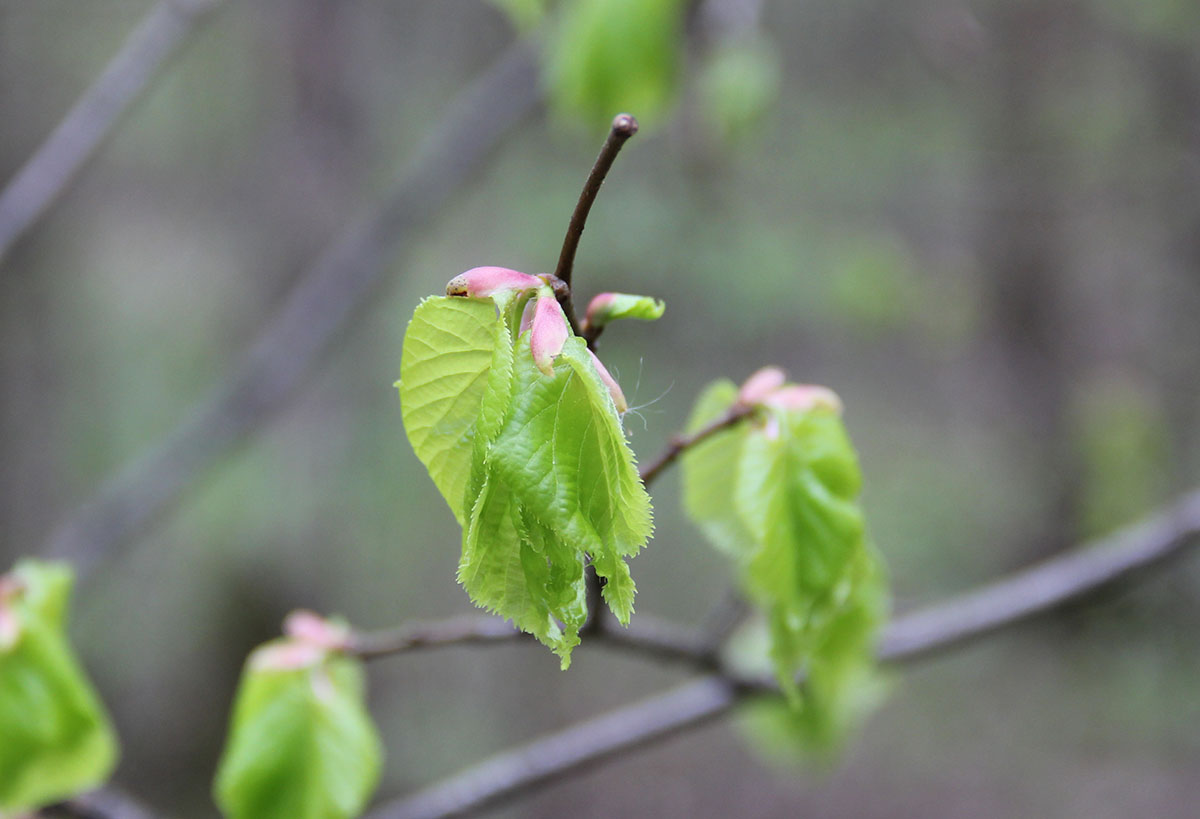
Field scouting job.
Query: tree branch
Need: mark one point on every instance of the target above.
(623, 127)
(58, 159)
(680, 443)
(108, 802)
(910, 638)
(326, 295)
(465, 630)
(521, 769)
(1044, 586)
(657, 639)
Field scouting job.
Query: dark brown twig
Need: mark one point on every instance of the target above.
(58, 159)
(910, 638)
(325, 296)
(623, 127)
(680, 443)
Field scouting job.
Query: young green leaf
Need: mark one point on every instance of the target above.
(455, 350)
(524, 440)
(55, 738)
(564, 456)
(778, 492)
(301, 744)
(608, 307)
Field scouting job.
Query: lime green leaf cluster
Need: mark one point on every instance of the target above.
(778, 493)
(55, 737)
(536, 467)
(301, 744)
(616, 55)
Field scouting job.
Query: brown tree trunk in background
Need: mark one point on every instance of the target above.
(1020, 245)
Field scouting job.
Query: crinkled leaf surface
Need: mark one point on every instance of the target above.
(559, 485)
(55, 738)
(779, 493)
(301, 744)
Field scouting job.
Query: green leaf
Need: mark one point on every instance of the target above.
(55, 738)
(612, 306)
(616, 55)
(454, 355)
(564, 455)
(301, 744)
(556, 486)
(543, 476)
(778, 493)
(708, 469)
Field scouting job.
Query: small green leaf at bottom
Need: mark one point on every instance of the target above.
(301, 744)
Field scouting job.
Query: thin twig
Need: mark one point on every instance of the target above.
(657, 639)
(320, 304)
(623, 127)
(680, 443)
(466, 630)
(909, 638)
(108, 802)
(58, 159)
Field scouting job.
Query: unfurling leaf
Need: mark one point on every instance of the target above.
(301, 744)
(519, 426)
(608, 307)
(55, 738)
(779, 493)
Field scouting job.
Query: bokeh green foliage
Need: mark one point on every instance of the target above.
(616, 55)
(55, 737)
(778, 492)
(301, 744)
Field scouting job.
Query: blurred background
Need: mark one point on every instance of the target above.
(978, 222)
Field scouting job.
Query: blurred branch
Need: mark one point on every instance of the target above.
(467, 630)
(680, 443)
(909, 638)
(56, 161)
(108, 802)
(1044, 586)
(658, 639)
(549, 757)
(318, 306)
